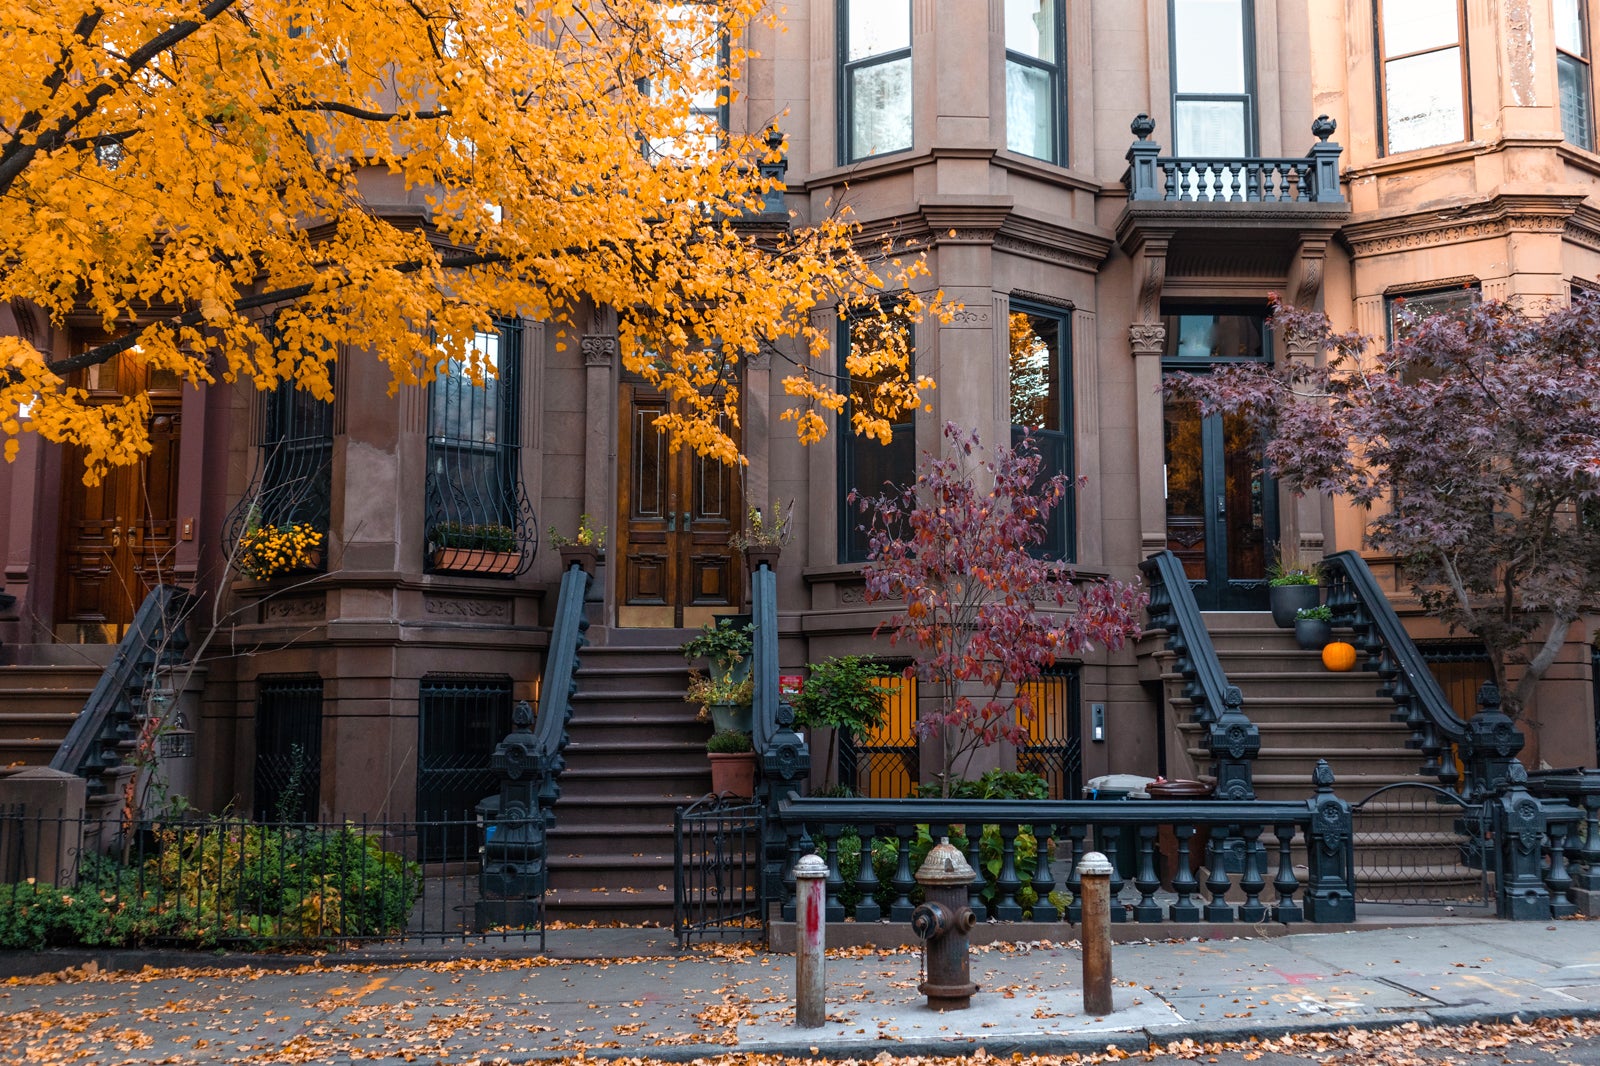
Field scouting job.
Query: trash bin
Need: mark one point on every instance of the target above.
(1167, 840)
(1119, 787)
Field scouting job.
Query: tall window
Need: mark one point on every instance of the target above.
(1213, 78)
(865, 465)
(1041, 407)
(875, 77)
(1423, 68)
(473, 489)
(1034, 48)
(1572, 72)
(693, 35)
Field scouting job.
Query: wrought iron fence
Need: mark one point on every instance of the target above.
(460, 719)
(1417, 843)
(717, 863)
(288, 769)
(234, 883)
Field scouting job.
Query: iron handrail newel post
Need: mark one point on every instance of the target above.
(783, 761)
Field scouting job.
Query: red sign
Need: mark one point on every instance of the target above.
(789, 684)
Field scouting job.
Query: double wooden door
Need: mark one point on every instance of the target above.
(678, 510)
(118, 537)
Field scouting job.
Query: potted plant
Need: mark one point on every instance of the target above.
(585, 548)
(1313, 626)
(764, 535)
(733, 763)
(844, 693)
(1291, 585)
(473, 548)
(724, 701)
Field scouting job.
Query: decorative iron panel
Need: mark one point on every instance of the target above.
(717, 869)
(1416, 843)
(293, 481)
(479, 519)
(460, 719)
(1054, 745)
(288, 771)
(883, 764)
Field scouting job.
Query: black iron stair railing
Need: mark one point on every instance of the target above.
(530, 760)
(1232, 740)
(1487, 743)
(783, 760)
(103, 735)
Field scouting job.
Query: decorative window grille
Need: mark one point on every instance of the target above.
(1035, 47)
(874, 78)
(460, 719)
(883, 764)
(288, 770)
(1041, 407)
(1054, 745)
(477, 508)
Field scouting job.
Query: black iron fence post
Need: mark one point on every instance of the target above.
(1491, 745)
(1517, 821)
(1330, 895)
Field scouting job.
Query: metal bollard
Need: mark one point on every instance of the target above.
(1094, 871)
(811, 889)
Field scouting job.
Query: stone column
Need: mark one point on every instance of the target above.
(1147, 340)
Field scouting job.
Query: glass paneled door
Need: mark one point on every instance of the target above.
(1218, 513)
(1222, 512)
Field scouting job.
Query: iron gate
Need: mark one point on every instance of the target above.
(883, 764)
(1416, 843)
(460, 719)
(288, 769)
(716, 880)
(1053, 748)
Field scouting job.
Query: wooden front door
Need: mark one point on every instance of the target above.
(674, 566)
(118, 537)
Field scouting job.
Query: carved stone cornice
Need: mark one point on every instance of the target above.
(598, 350)
(1495, 216)
(1583, 228)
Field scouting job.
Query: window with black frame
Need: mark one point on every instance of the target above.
(1041, 408)
(866, 466)
(1408, 308)
(1213, 78)
(477, 519)
(693, 31)
(1035, 47)
(1573, 72)
(874, 78)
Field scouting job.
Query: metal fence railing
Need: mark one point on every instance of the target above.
(67, 880)
(717, 869)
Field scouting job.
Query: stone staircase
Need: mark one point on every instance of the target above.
(43, 688)
(635, 754)
(1405, 848)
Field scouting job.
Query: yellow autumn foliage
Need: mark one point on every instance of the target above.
(382, 177)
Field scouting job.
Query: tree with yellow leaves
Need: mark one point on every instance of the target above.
(244, 189)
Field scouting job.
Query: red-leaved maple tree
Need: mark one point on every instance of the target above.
(1474, 439)
(987, 614)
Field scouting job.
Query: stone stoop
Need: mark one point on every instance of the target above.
(1306, 712)
(43, 688)
(635, 754)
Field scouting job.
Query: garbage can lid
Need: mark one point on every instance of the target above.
(1178, 789)
(1133, 785)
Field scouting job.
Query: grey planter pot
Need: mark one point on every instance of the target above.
(1312, 634)
(1285, 600)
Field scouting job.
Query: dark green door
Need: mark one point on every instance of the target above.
(1221, 506)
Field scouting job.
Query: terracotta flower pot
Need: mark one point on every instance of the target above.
(733, 773)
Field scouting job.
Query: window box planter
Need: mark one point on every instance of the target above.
(474, 561)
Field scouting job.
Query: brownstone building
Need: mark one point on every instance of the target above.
(1457, 160)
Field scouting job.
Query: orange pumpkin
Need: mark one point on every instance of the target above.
(1339, 656)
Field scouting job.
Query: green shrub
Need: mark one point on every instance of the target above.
(225, 882)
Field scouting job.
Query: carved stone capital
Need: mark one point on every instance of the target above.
(1147, 338)
(598, 350)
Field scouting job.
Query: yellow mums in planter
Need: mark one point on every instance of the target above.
(267, 551)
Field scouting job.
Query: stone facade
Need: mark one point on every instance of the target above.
(1509, 208)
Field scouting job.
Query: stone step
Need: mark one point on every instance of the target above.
(582, 782)
(35, 724)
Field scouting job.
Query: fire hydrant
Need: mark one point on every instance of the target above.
(942, 922)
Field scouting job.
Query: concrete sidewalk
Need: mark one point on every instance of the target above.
(635, 994)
